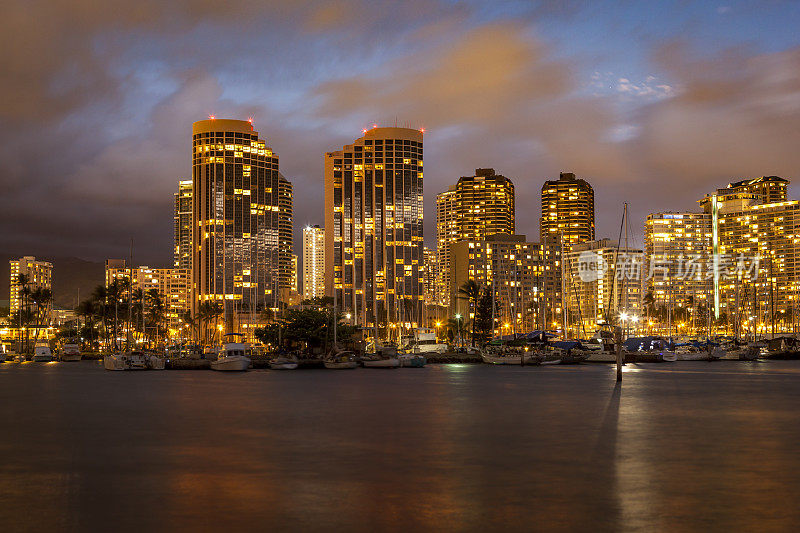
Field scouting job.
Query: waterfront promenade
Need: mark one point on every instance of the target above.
(682, 446)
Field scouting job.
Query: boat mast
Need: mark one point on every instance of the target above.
(130, 291)
(563, 278)
(624, 274)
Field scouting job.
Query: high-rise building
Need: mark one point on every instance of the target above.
(754, 226)
(313, 262)
(603, 286)
(567, 218)
(183, 226)
(509, 266)
(293, 285)
(671, 238)
(373, 227)
(28, 273)
(242, 219)
(430, 275)
(474, 208)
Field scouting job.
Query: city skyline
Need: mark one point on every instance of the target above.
(653, 104)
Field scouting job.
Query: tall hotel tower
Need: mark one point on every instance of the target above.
(242, 219)
(373, 227)
(567, 218)
(183, 226)
(313, 262)
(474, 208)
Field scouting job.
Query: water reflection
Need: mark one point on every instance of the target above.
(447, 447)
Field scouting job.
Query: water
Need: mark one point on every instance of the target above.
(450, 447)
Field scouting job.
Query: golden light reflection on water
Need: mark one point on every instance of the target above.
(468, 447)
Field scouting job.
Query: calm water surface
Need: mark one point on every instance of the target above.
(685, 446)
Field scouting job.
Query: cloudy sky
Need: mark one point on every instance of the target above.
(655, 103)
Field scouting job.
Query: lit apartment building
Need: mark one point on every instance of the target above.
(509, 266)
(173, 285)
(568, 215)
(671, 241)
(373, 227)
(448, 229)
(430, 275)
(313, 262)
(242, 219)
(293, 284)
(603, 285)
(474, 208)
(753, 219)
(39, 275)
(183, 226)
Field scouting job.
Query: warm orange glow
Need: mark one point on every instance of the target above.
(250, 120)
(212, 117)
(422, 130)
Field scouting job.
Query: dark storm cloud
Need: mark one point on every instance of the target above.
(97, 102)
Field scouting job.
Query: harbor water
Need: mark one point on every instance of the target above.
(682, 446)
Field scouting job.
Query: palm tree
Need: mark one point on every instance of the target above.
(87, 309)
(190, 321)
(100, 298)
(155, 301)
(471, 291)
(24, 291)
(41, 299)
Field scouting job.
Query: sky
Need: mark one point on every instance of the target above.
(654, 103)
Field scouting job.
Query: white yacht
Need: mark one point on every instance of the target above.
(70, 351)
(42, 353)
(425, 342)
(232, 358)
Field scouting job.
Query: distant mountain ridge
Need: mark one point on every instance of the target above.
(70, 275)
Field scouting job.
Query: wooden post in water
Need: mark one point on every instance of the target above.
(618, 342)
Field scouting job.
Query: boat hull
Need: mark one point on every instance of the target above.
(70, 357)
(156, 363)
(392, 362)
(231, 364)
(654, 357)
(43, 358)
(413, 361)
(340, 365)
(283, 366)
(114, 362)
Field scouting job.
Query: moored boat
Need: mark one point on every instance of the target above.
(343, 360)
(155, 362)
(389, 362)
(412, 360)
(283, 363)
(42, 353)
(232, 358)
(70, 352)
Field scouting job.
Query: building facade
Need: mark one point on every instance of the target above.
(173, 285)
(567, 218)
(242, 219)
(509, 266)
(373, 227)
(183, 226)
(756, 239)
(313, 262)
(672, 240)
(603, 286)
(28, 273)
(474, 208)
(430, 275)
